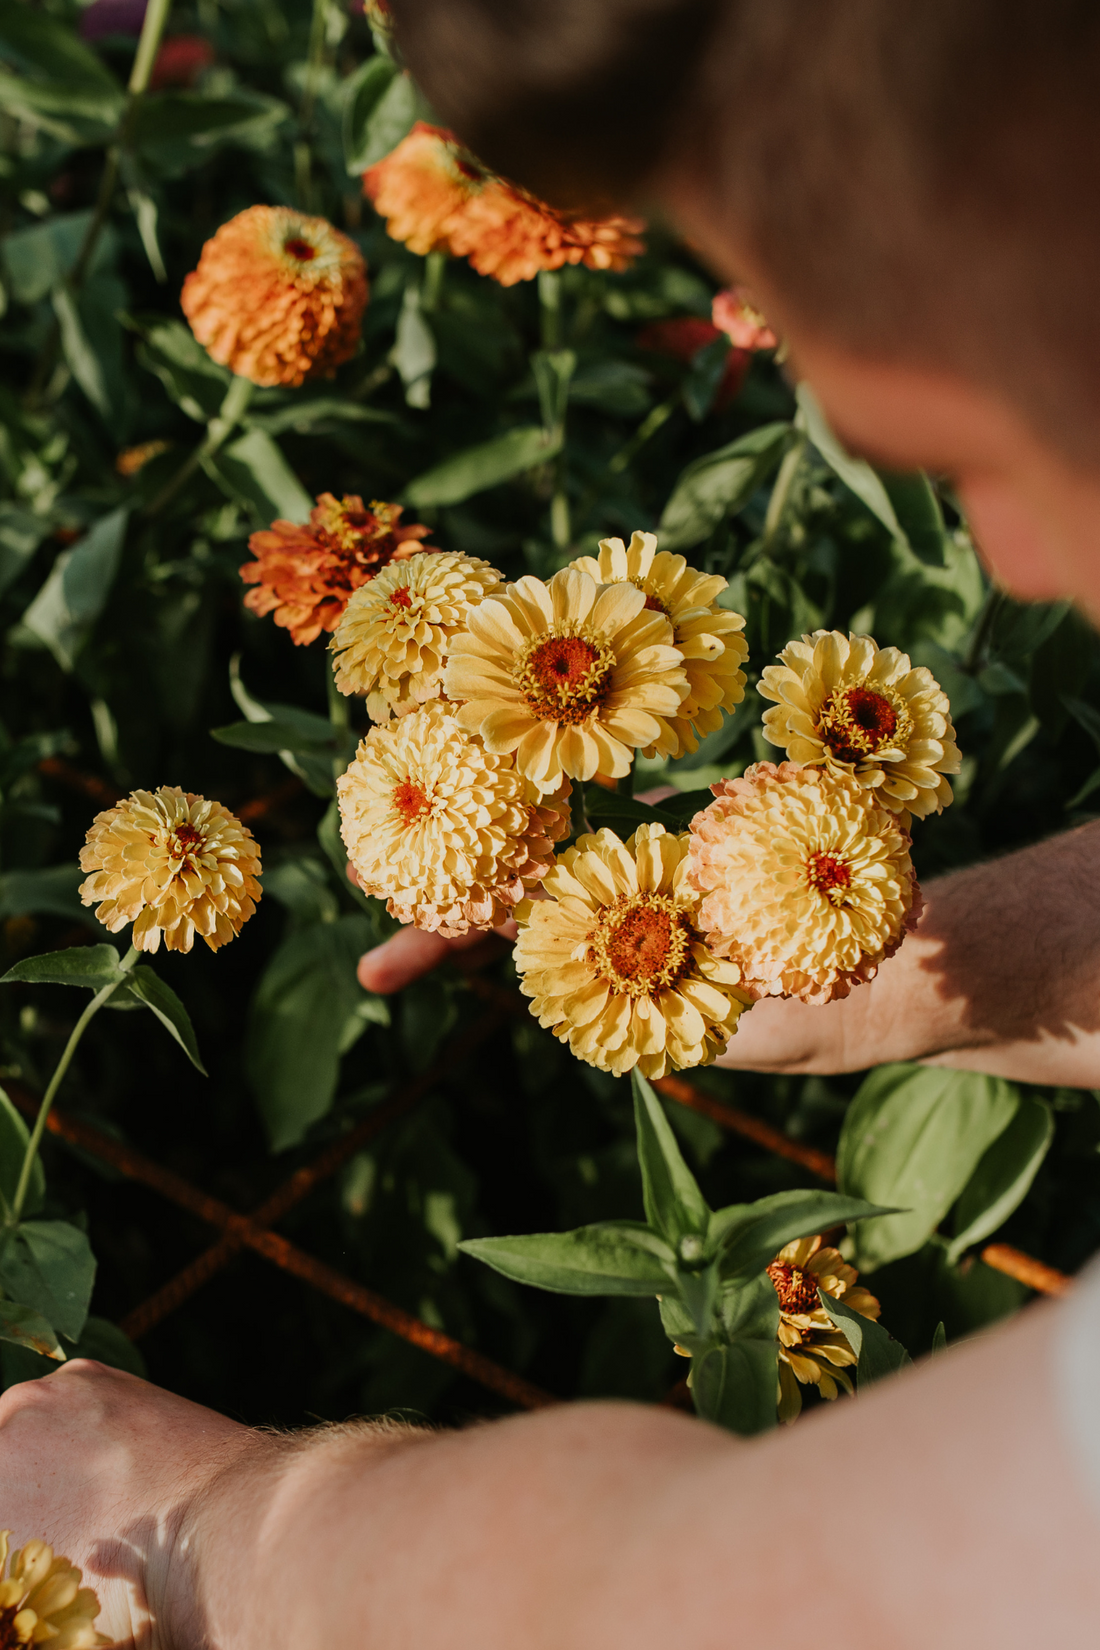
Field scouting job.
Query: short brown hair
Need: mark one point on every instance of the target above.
(919, 178)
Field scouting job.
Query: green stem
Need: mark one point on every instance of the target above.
(303, 159)
(550, 308)
(781, 492)
(35, 1140)
(339, 715)
(218, 431)
(434, 266)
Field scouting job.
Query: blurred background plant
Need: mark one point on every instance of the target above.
(519, 423)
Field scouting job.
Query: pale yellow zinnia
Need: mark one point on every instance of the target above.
(812, 1351)
(708, 636)
(571, 675)
(394, 635)
(42, 1601)
(614, 962)
(173, 864)
(807, 882)
(845, 702)
(450, 835)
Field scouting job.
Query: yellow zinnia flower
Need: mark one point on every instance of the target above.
(394, 635)
(571, 675)
(708, 636)
(42, 1600)
(844, 702)
(807, 881)
(811, 1349)
(450, 835)
(614, 962)
(173, 864)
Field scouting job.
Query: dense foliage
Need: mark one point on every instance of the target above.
(521, 424)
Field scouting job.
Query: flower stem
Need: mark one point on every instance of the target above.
(339, 715)
(218, 431)
(303, 159)
(435, 265)
(550, 308)
(35, 1140)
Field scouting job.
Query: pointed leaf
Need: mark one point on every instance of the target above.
(939, 1338)
(483, 466)
(93, 966)
(364, 90)
(674, 1205)
(1003, 1176)
(151, 990)
(48, 1265)
(735, 1386)
(612, 1258)
(754, 1240)
(720, 484)
(22, 1326)
(51, 891)
(65, 610)
(275, 736)
(878, 1352)
(253, 469)
(855, 473)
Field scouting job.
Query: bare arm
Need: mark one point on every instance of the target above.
(941, 1508)
(1002, 976)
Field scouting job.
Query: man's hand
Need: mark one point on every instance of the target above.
(410, 953)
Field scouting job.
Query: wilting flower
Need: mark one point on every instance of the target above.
(448, 834)
(393, 639)
(614, 961)
(305, 575)
(734, 313)
(278, 296)
(570, 675)
(41, 1600)
(435, 196)
(808, 883)
(708, 636)
(682, 337)
(173, 864)
(844, 702)
(811, 1349)
(132, 459)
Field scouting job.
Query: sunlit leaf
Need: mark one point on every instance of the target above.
(613, 1258)
(486, 465)
(49, 1266)
(150, 989)
(877, 1351)
(1003, 1175)
(719, 484)
(65, 610)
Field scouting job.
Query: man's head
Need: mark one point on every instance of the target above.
(912, 186)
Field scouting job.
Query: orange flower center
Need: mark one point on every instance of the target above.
(797, 1290)
(641, 945)
(564, 677)
(185, 839)
(296, 247)
(401, 597)
(856, 722)
(411, 801)
(829, 876)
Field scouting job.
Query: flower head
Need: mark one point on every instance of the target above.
(571, 675)
(682, 337)
(173, 864)
(855, 707)
(41, 1600)
(181, 61)
(450, 835)
(435, 196)
(808, 883)
(278, 296)
(811, 1349)
(305, 575)
(614, 961)
(735, 314)
(708, 636)
(393, 639)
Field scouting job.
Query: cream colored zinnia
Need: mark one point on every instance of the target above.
(173, 864)
(614, 962)
(394, 635)
(847, 703)
(708, 636)
(571, 675)
(448, 834)
(42, 1601)
(807, 882)
(812, 1351)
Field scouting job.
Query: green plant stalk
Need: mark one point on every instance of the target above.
(435, 265)
(218, 431)
(549, 282)
(339, 715)
(781, 492)
(61, 1068)
(303, 158)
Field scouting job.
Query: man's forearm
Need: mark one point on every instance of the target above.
(1002, 976)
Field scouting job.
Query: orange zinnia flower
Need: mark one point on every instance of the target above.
(278, 296)
(734, 313)
(305, 575)
(435, 196)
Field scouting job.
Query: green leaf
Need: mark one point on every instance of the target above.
(855, 473)
(21, 532)
(151, 990)
(719, 484)
(48, 1265)
(912, 1137)
(735, 1386)
(307, 417)
(39, 257)
(553, 371)
(43, 47)
(93, 966)
(80, 357)
(1003, 1176)
(483, 466)
(615, 1257)
(65, 610)
(195, 383)
(306, 1008)
(939, 1338)
(253, 470)
(22, 1326)
(300, 733)
(375, 133)
(50, 892)
(364, 91)
(751, 1235)
(625, 813)
(176, 130)
(674, 1205)
(13, 1145)
(918, 513)
(708, 368)
(1021, 627)
(414, 352)
(878, 1352)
